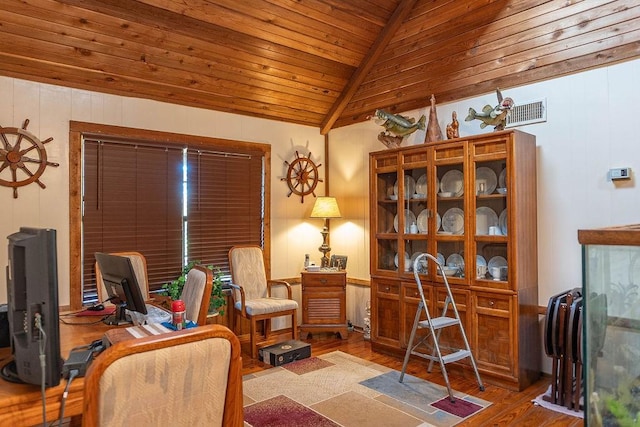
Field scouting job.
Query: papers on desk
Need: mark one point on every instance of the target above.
(115, 335)
(144, 325)
(154, 314)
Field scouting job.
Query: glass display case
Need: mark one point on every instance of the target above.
(611, 280)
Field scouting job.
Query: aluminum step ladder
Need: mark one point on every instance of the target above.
(435, 326)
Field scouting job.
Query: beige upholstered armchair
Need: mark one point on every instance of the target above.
(139, 263)
(252, 295)
(196, 293)
(191, 377)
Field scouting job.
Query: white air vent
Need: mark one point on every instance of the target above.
(526, 114)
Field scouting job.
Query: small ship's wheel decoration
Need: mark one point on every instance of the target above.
(23, 158)
(302, 176)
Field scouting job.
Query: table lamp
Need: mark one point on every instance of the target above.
(325, 207)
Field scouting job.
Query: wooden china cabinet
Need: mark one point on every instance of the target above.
(472, 203)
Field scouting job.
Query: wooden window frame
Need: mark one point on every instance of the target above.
(76, 132)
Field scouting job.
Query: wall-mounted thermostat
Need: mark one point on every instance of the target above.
(619, 173)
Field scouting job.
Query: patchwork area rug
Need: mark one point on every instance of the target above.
(337, 389)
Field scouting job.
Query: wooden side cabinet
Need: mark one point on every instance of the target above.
(324, 302)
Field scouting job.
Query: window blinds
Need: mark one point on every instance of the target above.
(133, 201)
(224, 204)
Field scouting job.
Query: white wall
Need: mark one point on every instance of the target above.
(592, 125)
(50, 108)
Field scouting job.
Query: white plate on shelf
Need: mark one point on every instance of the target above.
(452, 182)
(409, 218)
(453, 221)
(409, 187)
(485, 218)
(413, 259)
(486, 180)
(407, 261)
(423, 221)
(438, 222)
(502, 222)
(502, 179)
(421, 185)
(480, 260)
(440, 259)
(497, 261)
(455, 260)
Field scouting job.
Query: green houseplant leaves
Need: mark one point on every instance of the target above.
(173, 289)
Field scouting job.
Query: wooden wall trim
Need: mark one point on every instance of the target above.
(350, 281)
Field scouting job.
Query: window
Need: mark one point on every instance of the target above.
(191, 199)
(224, 204)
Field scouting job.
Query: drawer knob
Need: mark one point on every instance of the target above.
(387, 289)
(323, 281)
(492, 303)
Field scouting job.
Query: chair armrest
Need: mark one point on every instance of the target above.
(240, 289)
(272, 283)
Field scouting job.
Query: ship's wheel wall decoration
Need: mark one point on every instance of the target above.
(23, 158)
(302, 176)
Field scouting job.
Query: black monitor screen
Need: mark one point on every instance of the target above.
(122, 287)
(32, 288)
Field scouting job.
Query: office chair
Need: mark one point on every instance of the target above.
(191, 377)
(196, 293)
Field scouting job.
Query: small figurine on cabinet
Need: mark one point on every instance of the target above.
(434, 133)
(396, 127)
(452, 128)
(495, 116)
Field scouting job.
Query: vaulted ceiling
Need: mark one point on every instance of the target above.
(324, 63)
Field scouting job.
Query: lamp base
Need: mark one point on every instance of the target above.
(324, 248)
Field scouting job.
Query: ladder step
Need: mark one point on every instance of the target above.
(454, 357)
(439, 322)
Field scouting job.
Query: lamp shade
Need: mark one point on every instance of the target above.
(325, 207)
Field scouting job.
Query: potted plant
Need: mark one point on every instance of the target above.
(217, 301)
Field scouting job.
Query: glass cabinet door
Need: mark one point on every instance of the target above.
(386, 191)
(450, 209)
(415, 206)
(488, 171)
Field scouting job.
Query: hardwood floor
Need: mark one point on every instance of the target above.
(509, 408)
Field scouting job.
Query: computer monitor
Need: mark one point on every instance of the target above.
(122, 287)
(32, 288)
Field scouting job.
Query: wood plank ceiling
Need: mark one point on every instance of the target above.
(324, 63)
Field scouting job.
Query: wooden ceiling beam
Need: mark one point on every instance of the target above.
(396, 20)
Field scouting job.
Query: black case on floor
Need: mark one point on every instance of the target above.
(284, 352)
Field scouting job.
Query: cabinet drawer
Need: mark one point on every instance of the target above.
(411, 292)
(323, 280)
(388, 289)
(461, 297)
(495, 303)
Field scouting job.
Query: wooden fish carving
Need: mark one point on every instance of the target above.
(493, 116)
(399, 125)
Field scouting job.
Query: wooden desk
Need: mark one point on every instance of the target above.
(21, 404)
